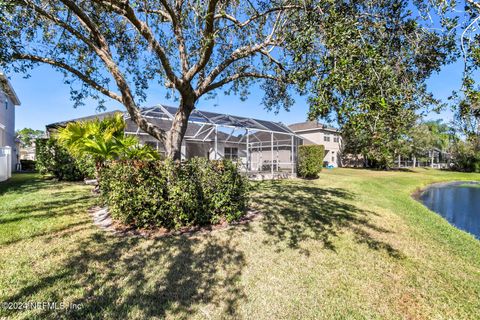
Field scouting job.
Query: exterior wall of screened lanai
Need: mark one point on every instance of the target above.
(259, 146)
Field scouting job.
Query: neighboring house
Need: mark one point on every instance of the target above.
(8, 101)
(313, 132)
(435, 158)
(27, 153)
(263, 148)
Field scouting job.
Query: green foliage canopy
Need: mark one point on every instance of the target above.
(366, 66)
(27, 136)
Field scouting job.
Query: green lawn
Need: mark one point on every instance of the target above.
(353, 244)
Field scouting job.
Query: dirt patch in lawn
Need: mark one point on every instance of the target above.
(103, 220)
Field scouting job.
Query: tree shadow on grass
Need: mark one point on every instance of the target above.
(295, 212)
(46, 209)
(121, 277)
(124, 278)
(23, 183)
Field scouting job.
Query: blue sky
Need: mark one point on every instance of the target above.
(45, 99)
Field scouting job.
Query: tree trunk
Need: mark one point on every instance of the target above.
(175, 135)
(98, 168)
(414, 161)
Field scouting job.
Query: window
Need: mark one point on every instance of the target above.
(2, 137)
(326, 138)
(231, 153)
(6, 104)
(336, 139)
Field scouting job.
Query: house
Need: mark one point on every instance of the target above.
(313, 132)
(434, 158)
(8, 146)
(27, 153)
(264, 149)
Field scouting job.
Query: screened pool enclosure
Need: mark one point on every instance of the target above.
(259, 146)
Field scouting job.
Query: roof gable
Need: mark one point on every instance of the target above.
(6, 87)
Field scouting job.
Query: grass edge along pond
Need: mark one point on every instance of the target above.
(352, 244)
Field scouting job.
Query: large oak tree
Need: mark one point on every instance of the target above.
(118, 48)
(365, 62)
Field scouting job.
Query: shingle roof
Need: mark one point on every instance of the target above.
(310, 125)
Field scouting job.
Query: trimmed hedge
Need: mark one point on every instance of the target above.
(310, 160)
(55, 160)
(172, 195)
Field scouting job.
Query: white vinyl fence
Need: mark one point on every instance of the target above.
(5, 163)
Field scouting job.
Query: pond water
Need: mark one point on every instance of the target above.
(458, 202)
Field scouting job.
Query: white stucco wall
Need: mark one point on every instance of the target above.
(7, 119)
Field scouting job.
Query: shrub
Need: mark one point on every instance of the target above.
(54, 159)
(310, 160)
(466, 156)
(169, 194)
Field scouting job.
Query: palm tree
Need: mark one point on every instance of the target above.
(102, 140)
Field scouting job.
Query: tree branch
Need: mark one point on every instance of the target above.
(102, 43)
(237, 76)
(178, 32)
(209, 35)
(238, 54)
(126, 10)
(475, 4)
(272, 59)
(78, 73)
(103, 53)
(60, 23)
(241, 53)
(161, 13)
(240, 24)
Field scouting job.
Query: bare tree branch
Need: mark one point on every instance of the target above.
(161, 13)
(272, 59)
(60, 23)
(241, 53)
